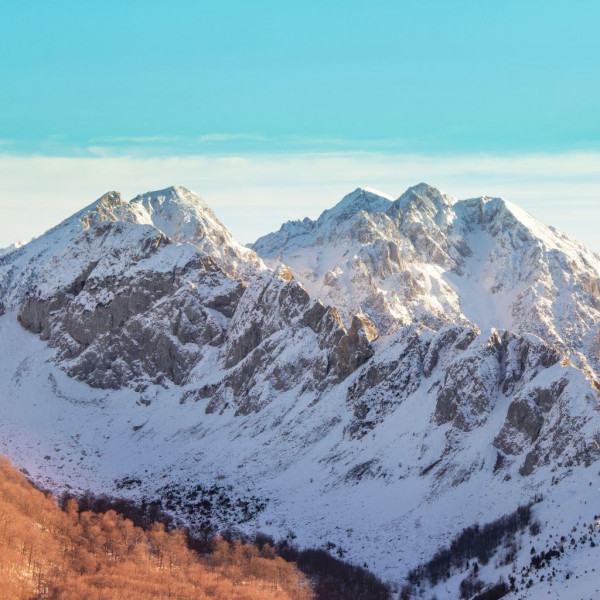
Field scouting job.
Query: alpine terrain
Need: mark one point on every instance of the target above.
(410, 384)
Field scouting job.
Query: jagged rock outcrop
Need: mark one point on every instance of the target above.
(354, 348)
(445, 391)
(132, 313)
(279, 339)
(542, 422)
(125, 304)
(428, 258)
(466, 378)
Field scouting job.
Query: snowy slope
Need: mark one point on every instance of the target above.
(387, 494)
(143, 353)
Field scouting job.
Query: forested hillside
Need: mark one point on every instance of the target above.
(376, 387)
(46, 552)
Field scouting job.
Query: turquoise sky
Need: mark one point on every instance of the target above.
(275, 110)
(179, 77)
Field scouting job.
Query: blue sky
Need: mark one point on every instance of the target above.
(318, 97)
(430, 76)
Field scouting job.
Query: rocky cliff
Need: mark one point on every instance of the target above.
(397, 371)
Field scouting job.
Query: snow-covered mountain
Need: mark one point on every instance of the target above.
(175, 213)
(428, 258)
(404, 370)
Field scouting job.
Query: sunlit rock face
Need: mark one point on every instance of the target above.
(428, 258)
(427, 363)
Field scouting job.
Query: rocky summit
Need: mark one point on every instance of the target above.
(384, 382)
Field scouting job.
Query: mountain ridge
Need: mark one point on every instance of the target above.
(428, 256)
(366, 367)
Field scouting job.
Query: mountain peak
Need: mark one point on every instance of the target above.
(361, 199)
(424, 203)
(500, 215)
(180, 213)
(185, 217)
(426, 195)
(424, 189)
(176, 195)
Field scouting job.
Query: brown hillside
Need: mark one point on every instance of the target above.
(47, 553)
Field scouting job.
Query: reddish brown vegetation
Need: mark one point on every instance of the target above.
(49, 553)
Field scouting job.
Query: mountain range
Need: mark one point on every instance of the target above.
(377, 382)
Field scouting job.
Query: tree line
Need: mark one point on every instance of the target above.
(331, 578)
(68, 554)
(475, 542)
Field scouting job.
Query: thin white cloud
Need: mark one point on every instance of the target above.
(254, 194)
(231, 137)
(157, 140)
(125, 139)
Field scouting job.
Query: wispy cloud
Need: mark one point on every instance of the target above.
(232, 137)
(253, 193)
(125, 139)
(157, 146)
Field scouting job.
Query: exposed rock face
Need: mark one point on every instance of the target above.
(471, 383)
(125, 319)
(279, 339)
(220, 368)
(541, 422)
(428, 258)
(126, 305)
(468, 377)
(355, 347)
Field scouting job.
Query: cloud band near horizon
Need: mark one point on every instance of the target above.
(253, 194)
